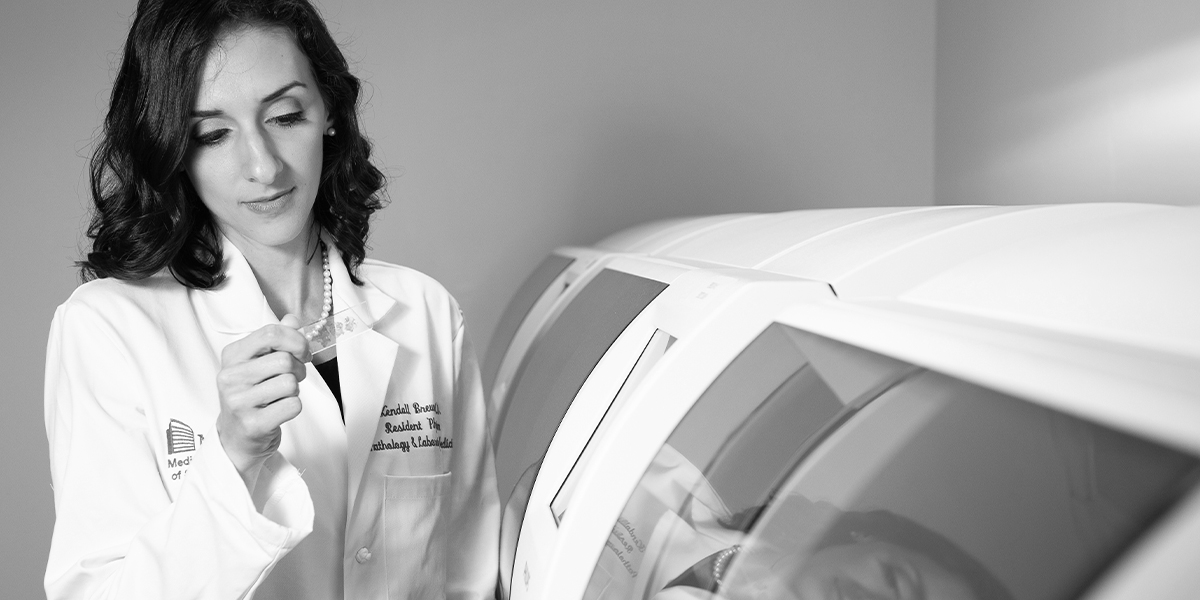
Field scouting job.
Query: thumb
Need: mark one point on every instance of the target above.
(290, 320)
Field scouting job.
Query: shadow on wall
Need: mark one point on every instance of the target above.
(643, 169)
(1130, 132)
(1070, 101)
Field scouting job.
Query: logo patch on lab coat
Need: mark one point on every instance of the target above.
(180, 437)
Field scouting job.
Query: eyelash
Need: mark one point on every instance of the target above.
(290, 119)
(214, 138)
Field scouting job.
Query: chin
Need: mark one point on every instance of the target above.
(277, 234)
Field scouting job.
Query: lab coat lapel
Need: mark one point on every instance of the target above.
(237, 306)
(365, 364)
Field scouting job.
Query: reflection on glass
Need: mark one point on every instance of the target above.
(939, 489)
(527, 295)
(875, 554)
(659, 343)
(707, 484)
(560, 362)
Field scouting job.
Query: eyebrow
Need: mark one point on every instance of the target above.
(203, 114)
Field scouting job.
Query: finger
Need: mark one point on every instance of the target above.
(253, 398)
(293, 321)
(255, 423)
(278, 363)
(281, 338)
(275, 388)
(279, 412)
(265, 340)
(244, 376)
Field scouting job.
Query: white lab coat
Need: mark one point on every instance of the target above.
(149, 506)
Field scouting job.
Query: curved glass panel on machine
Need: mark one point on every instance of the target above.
(560, 363)
(518, 309)
(659, 343)
(729, 452)
(930, 487)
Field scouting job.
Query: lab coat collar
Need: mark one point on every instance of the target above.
(374, 303)
(238, 305)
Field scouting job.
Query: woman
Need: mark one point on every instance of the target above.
(875, 554)
(198, 448)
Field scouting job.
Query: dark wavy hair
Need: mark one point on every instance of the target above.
(147, 215)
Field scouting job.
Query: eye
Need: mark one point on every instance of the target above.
(289, 119)
(211, 138)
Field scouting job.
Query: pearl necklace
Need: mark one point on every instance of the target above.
(327, 303)
(722, 561)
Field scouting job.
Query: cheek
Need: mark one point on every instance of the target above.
(305, 156)
(210, 175)
(211, 168)
(812, 579)
(817, 576)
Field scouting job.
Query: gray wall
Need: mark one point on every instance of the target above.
(54, 69)
(1068, 101)
(508, 130)
(516, 127)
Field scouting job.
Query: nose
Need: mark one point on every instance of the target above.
(261, 162)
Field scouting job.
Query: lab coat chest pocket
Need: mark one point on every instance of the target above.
(414, 523)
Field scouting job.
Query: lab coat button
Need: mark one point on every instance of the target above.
(362, 556)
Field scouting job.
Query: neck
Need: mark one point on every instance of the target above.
(290, 276)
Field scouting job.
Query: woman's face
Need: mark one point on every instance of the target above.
(865, 570)
(257, 127)
(876, 570)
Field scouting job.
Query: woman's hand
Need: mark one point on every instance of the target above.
(259, 387)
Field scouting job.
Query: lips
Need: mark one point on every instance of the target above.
(272, 204)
